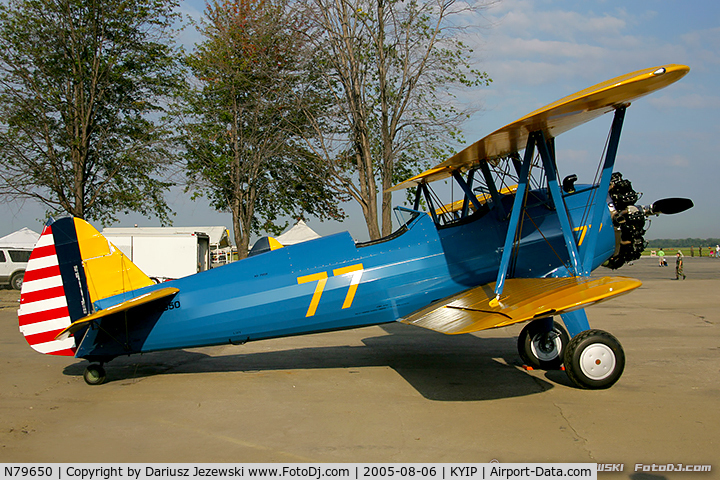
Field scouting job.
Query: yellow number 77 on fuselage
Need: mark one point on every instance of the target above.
(321, 278)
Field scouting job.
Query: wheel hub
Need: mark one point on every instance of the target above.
(546, 346)
(597, 361)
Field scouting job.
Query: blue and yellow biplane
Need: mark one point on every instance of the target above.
(519, 247)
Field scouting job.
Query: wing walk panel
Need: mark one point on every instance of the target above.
(523, 299)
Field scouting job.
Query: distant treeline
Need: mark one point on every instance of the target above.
(683, 242)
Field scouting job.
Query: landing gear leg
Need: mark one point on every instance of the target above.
(594, 359)
(94, 374)
(542, 343)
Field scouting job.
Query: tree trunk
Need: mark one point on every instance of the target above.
(241, 239)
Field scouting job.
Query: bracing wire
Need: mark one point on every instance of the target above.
(596, 180)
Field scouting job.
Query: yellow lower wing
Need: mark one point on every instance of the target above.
(523, 299)
(120, 307)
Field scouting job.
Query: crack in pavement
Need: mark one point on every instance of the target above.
(575, 432)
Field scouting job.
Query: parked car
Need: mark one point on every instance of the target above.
(12, 266)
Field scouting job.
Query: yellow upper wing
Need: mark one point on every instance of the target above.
(523, 299)
(554, 119)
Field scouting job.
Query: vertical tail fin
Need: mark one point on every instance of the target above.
(44, 309)
(71, 267)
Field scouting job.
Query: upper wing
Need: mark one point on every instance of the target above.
(522, 299)
(120, 307)
(554, 119)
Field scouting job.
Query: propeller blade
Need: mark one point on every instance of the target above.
(670, 206)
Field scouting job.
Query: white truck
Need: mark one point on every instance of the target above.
(15, 251)
(13, 262)
(163, 253)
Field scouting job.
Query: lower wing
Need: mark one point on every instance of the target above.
(523, 299)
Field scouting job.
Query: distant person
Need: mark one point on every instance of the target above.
(679, 266)
(661, 258)
(692, 251)
(717, 251)
(700, 252)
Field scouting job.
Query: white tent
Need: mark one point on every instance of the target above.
(23, 238)
(300, 232)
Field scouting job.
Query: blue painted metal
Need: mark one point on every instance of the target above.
(270, 295)
(468, 198)
(516, 163)
(428, 199)
(516, 211)
(556, 195)
(418, 196)
(467, 190)
(496, 203)
(600, 200)
(575, 322)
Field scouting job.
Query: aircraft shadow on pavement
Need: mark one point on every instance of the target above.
(439, 367)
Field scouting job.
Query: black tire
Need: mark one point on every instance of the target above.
(94, 375)
(594, 359)
(16, 280)
(541, 349)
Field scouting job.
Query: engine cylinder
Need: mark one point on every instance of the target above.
(628, 221)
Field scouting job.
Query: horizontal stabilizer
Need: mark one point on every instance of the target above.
(523, 299)
(120, 307)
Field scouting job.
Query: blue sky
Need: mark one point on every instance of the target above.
(541, 50)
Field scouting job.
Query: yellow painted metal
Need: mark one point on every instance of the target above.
(357, 271)
(435, 173)
(554, 119)
(120, 307)
(321, 278)
(107, 270)
(274, 244)
(482, 198)
(523, 299)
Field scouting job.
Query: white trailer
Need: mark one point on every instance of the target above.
(163, 255)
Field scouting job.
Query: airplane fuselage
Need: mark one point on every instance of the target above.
(333, 283)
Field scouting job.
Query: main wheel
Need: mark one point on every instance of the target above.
(94, 374)
(539, 348)
(594, 359)
(16, 280)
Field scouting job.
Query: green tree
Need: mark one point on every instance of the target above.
(392, 66)
(83, 85)
(253, 78)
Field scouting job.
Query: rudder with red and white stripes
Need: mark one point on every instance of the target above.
(44, 311)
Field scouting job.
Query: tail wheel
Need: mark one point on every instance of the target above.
(594, 359)
(539, 348)
(94, 374)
